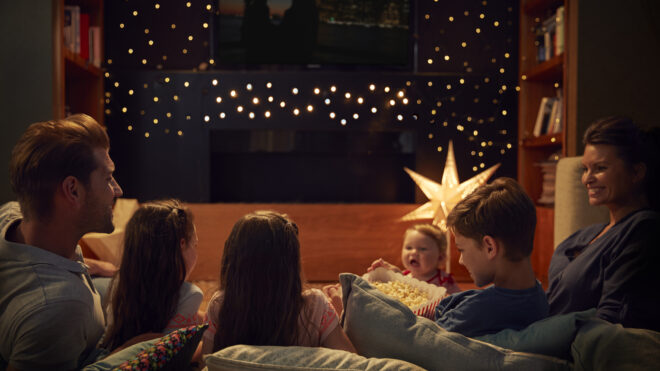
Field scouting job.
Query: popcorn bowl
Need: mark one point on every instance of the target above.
(435, 293)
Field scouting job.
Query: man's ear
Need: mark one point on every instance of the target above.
(72, 190)
(491, 246)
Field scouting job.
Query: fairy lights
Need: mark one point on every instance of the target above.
(464, 87)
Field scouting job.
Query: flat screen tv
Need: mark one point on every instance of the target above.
(313, 34)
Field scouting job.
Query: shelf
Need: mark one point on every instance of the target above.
(540, 6)
(81, 64)
(548, 71)
(547, 140)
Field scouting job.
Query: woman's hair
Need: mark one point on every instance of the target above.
(633, 146)
(434, 233)
(260, 277)
(144, 294)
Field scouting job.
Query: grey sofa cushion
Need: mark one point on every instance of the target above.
(252, 357)
(380, 326)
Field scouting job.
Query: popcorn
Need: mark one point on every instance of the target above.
(405, 293)
(421, 297)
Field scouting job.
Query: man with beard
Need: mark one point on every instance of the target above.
(50, 312)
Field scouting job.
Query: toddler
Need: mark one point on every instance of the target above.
(424, 251)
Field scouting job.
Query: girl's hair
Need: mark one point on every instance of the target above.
(260, 277)
(145, 291)
(434, 233)
(633, 146)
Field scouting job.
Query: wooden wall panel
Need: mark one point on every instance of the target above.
(334, 238)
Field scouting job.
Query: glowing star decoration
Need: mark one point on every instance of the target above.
(443, 197)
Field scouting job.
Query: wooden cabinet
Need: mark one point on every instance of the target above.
(540, 77)
(78, 83)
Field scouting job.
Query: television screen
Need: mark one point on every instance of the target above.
(313, 33)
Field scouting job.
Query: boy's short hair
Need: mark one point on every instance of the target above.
(434, 233)
(501, 210)
(47, 153)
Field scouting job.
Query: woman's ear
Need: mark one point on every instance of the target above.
(491, 246)
(183, 244)
(639, 172)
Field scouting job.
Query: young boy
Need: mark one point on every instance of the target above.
(494, 232)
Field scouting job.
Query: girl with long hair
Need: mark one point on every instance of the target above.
(149, 293)
(261, 300)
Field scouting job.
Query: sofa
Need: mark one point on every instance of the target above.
(388, 336)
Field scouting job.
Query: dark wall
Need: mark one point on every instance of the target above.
(619, 54)
(26, 74)
(468, 98)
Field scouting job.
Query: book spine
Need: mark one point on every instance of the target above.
(559, 47)
(84, 36)
(95, 45)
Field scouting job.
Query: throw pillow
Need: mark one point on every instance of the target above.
(600, 345)
(261, 358)
(170, 352)
(552, 336)
(380, 326)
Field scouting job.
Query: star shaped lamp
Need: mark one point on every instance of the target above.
(443, 197)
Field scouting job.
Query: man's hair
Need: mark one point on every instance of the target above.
(47, 153)
(501, 210)
(434, 233)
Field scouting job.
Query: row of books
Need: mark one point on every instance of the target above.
(549, 119)
(80, 37)
(550, 36)
(548, 171)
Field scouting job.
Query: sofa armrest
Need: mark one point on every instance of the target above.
(572, 209)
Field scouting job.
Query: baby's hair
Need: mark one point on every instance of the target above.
(433, 232)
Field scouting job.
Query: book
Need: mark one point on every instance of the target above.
(95, 45)
(554, 115)
(543, 116)
(72, 30)
(84, 36)
(549, 31)
(560, 30)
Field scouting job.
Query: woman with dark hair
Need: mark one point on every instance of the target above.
(611, 266)
(261, 300)
(149, 293)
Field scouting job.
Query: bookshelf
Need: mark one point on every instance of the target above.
(542, 75)
(78, 83)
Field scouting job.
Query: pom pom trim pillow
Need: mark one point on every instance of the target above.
(171, 352)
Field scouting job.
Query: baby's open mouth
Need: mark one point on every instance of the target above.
(414, 263)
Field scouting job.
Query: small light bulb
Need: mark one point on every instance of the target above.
(218, 99)
(374, 109)
(327, 101)
(239, 109)
(332, 115)
(356, 116)
(372, 87)
(248, 86)
(255, 100)
(296, 111)
(207, 118)
(343, 122)
(186, 84)
(214, 82)
(233, 93)
(347, 95)
(267, 114)
(294, 91)
(317, 91)
(310, 108)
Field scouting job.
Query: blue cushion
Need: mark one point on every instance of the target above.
(552, 336)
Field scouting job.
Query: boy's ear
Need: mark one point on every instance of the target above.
(491, 246)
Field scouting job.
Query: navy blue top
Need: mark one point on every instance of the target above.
(619, 273)
(479, 312)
